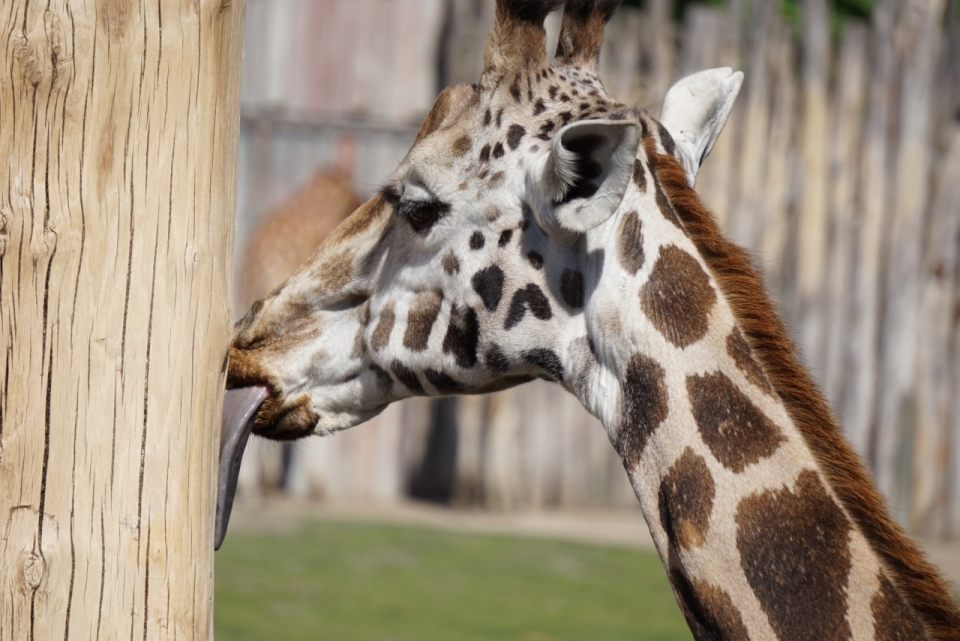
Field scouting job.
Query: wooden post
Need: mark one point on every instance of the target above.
(773, 247)
(845, 142)
(119, 127)
(661, 34)
(936, 353)
(919, 32)
(859, 408)
(812, 229)
(747, 216)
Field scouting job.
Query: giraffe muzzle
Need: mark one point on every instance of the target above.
(239, 410)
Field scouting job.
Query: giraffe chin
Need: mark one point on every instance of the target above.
(240, 407)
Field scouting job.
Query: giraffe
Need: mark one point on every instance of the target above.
(290, 232)
(539, 228)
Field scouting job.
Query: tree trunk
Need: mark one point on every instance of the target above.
(116, 236)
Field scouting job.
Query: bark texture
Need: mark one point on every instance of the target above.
(119, 123)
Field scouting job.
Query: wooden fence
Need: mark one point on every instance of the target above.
(839, 169)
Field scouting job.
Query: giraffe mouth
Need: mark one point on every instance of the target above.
(240, 407)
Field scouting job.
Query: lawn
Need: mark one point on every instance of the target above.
(378, 582)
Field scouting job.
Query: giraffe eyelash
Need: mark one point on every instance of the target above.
(422, 214)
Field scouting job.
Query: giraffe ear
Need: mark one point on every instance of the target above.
(587, 173)
(695, 110)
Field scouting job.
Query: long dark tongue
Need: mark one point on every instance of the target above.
(239, 408)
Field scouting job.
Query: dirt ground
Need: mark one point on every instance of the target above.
(602, 527)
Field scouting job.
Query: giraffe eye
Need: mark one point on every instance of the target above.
(422, 214)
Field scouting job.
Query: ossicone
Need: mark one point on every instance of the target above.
(581, 33)
(518, 39)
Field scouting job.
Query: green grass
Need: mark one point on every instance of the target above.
(376, 582)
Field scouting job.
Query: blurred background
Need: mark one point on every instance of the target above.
(839, 170)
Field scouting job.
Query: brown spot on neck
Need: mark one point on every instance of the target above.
(709, 610)
(740, 352)
(794, 550)
(644, 407)
(678, 297)
(736, 431)
(685, 501)
(630, 243)
(653, 159)
(639, 176)
(892, 619)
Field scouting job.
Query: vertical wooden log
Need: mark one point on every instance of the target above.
(777, 205)
(896, 418)
(844, 158)
(462, 44)
(745, 218)
(471, 431)
(952, 502)
(120, 123)
(663, 71)
(951, 71)
(863, 363)
(416, 421)
(699, 38)
(936, 354)
(622, 54)
(501, 463)
(812, 231)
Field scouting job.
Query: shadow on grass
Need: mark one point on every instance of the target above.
(377, 582)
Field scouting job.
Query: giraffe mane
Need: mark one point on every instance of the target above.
(919, 581)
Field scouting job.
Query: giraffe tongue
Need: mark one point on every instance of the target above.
(239, 409)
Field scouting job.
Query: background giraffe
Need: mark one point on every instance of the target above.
(539, 228)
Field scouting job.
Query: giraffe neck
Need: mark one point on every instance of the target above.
(757, 541)
(754, 540)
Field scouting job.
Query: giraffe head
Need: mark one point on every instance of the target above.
(481, 262)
